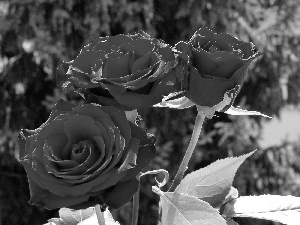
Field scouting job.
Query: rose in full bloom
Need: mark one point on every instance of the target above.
(128, 71)
(217, 64)
(84, 155)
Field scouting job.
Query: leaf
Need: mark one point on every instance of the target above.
(238, 111)
(81, 217)
(212, 183)
(179, 103)
(182, 209)
(70, 217)
(90, 221)
(54, 221)
(283, 209)
(109, 220)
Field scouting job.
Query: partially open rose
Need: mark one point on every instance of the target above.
(217, 63)
(128, 71)
(84, 155)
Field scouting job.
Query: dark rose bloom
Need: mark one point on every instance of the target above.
(217, 63)
(84, 155)
(128, 71)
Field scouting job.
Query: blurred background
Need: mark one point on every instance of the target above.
(37, 35)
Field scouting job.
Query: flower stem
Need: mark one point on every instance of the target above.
(136, 206)
(100, 215)
(194, 139)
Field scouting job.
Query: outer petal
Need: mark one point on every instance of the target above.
(117, 67)
(143, 46)
(230, 64)
(119, 118)
(92, 110)
(27, 140)
(86, 60)
(52, 201)
(62, 76)
(146, 151)
(208, 90)
(121, 194)
(36, 193)
(161, 88)
(167, 55)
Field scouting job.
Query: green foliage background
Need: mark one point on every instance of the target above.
(57, 30)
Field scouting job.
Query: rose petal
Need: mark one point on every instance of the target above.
(36, 171)
(204, 61)
(81, 80)
(247, 48)
(36, 192)
(203, 42)
(117, 67)
(57, 143)
(117, 151)
(79, 76)
(145, 61)
(103, 45)
(110, 130)
(105, 101)
(92, 110)
(143, 46)
(48, 161)
(133, 81)
(63, 106)
(131, 155)
(230, 64)
(167, 53)
(78, 128)
(120, 39)
(224, 42)
(208, 90)
(143, 87)
(94, 159)
(114, 177)
(127, 48)
(112, 42)
(62, 78)
(32, 177)
(98, 170)
(185, 48)
(136, 101)
(146, 151)
(119, 119)
(56, 127)
(105, 142)
(121, 194)
(86, 60)
(26, 143)
(66, 164)
(204, 31)
(111, 86)
(51, 201)
(81, 151)
(64, 189)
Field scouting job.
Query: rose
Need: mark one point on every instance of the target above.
(84, 155)
(217, 65)
(129, 71)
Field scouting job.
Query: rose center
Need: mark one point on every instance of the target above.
(78, 148)
(81, 151)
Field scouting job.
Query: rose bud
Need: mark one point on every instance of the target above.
(127, 71)
(217, 65)
(83, 156)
